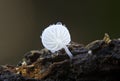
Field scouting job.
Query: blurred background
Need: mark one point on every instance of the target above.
(22, 22)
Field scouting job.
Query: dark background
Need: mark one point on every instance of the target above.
(22, 22)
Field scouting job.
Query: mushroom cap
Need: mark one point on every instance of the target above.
(55, 37)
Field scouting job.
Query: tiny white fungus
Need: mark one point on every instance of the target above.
(56, 37)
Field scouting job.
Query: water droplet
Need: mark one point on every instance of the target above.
(59, 23)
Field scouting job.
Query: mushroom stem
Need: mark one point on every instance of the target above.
(68, 52)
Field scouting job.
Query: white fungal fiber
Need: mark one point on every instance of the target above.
(56, 37)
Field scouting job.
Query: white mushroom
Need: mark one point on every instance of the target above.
(56, 37)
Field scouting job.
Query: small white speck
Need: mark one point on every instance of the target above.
(17, 68)
(18, 73)
(89, 52)
(24, 63)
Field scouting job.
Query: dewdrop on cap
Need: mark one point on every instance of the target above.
(55, 37)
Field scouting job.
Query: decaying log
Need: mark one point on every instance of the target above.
(99, 60)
